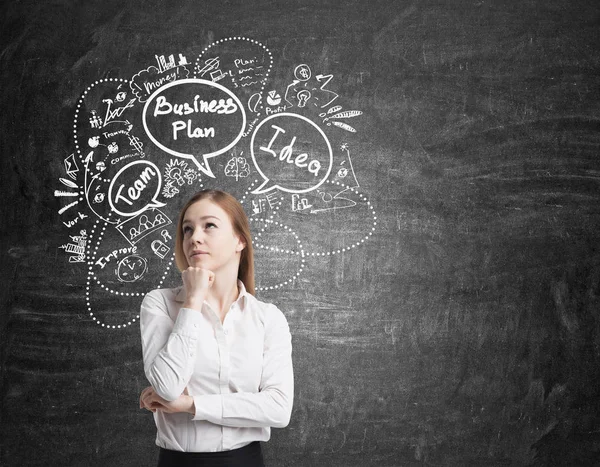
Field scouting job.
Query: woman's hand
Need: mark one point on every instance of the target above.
(151, 401)
(197, 281)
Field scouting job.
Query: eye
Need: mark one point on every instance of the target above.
(210, 225)
(186, 229)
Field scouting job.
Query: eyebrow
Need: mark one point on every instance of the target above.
(202, 218)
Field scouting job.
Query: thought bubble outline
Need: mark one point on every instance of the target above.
(260, 190)
(204, 168)
(153, 202)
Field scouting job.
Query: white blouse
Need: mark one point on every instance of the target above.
(239, 372)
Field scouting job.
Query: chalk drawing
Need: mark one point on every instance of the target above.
(237, 167)
(131, 268)
(160, 249)
(344, 175)
(262, 205)
(335, 113)
(274, 155)
(77, 247)
(136, 228)
(144, 83)
(176, 174)
(71, 166)
(131, 188)
(238, 63)
(273, 98)
(302, 89)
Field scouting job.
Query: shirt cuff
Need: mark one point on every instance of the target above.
(187, 322)
(208, 407)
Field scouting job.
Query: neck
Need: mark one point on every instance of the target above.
(224, 290)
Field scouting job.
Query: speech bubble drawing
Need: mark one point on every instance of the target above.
(194, 119)
(131, 190)
(291, 153)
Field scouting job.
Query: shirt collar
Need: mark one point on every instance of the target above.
(180, 297)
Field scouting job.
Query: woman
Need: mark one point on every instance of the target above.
(219, 361)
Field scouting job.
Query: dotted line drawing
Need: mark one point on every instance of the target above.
(91, 275)
(358, 243)
(241, 38)
(275, 249)
(255, 182)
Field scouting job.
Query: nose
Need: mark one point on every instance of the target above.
(197, 236)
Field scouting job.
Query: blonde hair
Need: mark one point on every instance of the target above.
(241, 227)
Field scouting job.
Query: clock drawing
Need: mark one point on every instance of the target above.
(131, 268)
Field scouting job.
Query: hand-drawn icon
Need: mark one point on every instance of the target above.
(163, 64)
(345, 176)
(326, 92)
(71, 166)
(131, 268)
(299, 204)
(136, 228)
(89, 158)
(71, 169)
(169, 190)
(134, 188)
(334, 113)
(94, 141)
(165, 235)
(255, 102)
(284, 162)
(215, 121)
(112, 115)
(69, 183)
(135, 142)
(149, 80)
(99, 197)
(303, 89)
(261, 205)
(302, 72)
(182, 60)
(113, 148)
(273, 98)
(95, 120)
(211, 65)
(177, 173)
(237, 167)
(120, 97)
(77, 248)
(303, 96)
(59, 193)
(160, 249)
(100, 166)
(342, 172)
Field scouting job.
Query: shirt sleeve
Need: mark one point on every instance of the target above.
(271, 406)
(168, 347)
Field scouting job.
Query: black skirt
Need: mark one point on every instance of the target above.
(247, 456)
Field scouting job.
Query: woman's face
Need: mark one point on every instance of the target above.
(209, 241)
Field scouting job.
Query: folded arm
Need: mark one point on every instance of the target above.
(271, 406)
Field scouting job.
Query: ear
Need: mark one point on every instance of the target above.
(240, 246)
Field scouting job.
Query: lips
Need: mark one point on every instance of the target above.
(198, 253)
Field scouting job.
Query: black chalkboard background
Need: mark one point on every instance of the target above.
(464, 331)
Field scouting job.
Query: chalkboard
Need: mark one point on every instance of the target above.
(422, 184)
